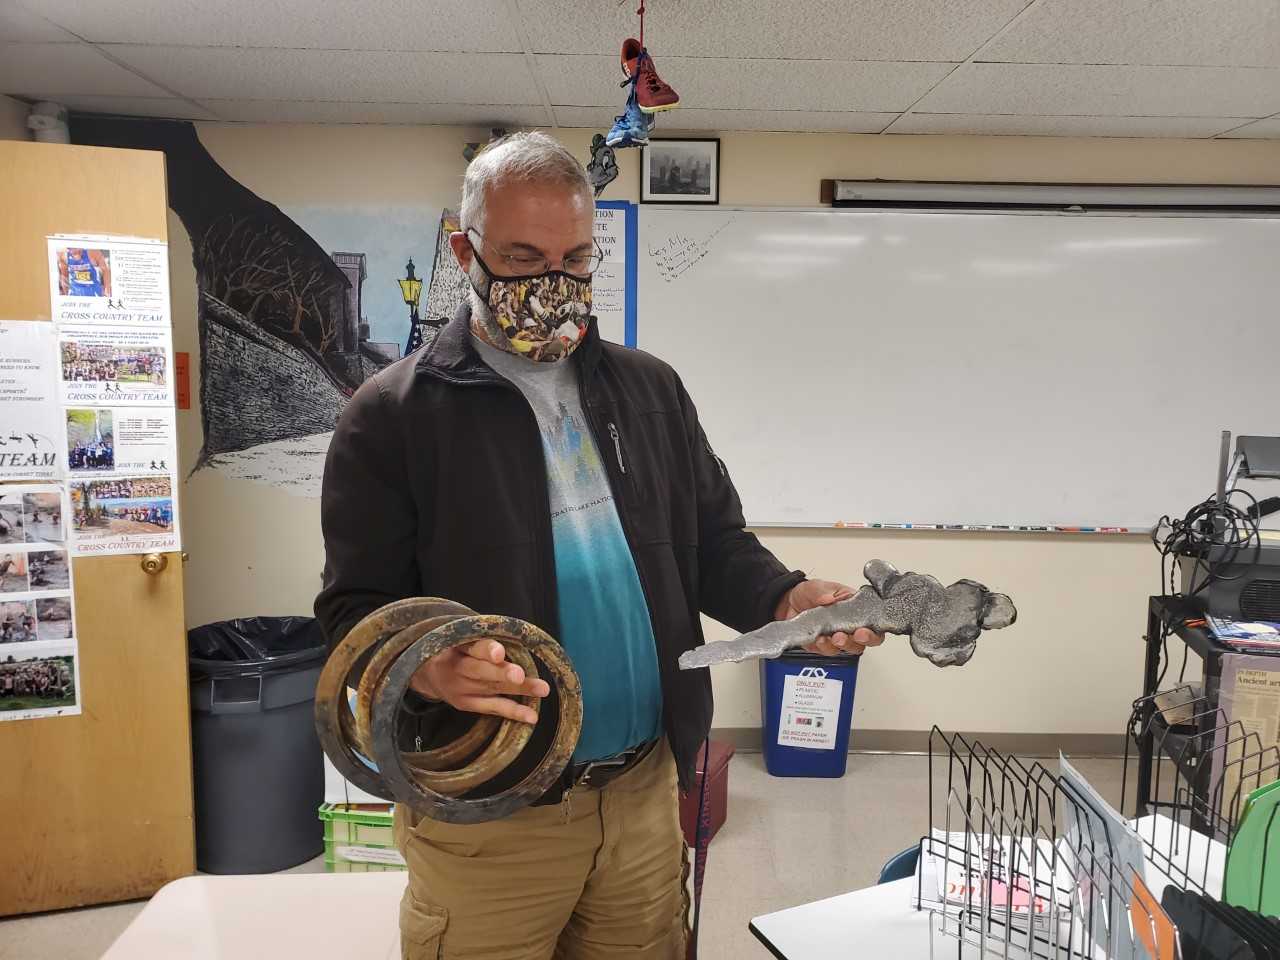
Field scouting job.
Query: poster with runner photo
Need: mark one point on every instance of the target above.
(116, 281)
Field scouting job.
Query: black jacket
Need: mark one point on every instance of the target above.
(435, 485)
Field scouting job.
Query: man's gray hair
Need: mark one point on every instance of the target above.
(518, 157)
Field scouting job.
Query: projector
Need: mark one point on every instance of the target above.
(1248, 586)
(1248, 589)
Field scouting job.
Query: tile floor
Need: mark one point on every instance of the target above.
(786, 842)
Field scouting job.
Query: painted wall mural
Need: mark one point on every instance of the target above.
(296, 307)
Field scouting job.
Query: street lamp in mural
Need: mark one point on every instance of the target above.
(411, 290)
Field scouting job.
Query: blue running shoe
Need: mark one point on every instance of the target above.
(632, 128)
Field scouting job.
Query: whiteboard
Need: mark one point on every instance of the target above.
(956, 367)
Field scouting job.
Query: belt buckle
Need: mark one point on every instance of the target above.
(621, 760)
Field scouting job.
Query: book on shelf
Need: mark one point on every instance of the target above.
(1255, 635)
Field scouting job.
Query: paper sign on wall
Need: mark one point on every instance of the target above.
(102, 366)
(613, 285)
(123, 515)
(810, 710)
(109, 442)
(39, 662)
(30, 438)
(109, 280)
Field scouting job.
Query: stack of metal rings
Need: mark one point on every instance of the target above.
(361, 738)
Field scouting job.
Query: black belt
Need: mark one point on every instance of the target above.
(599, 773)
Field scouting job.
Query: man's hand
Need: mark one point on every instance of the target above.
(822, 593)
(473, 677)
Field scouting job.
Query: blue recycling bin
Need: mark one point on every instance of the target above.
(806, 704)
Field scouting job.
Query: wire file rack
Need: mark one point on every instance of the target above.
(1023, 861)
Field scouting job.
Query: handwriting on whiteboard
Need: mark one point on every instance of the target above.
(675, 256)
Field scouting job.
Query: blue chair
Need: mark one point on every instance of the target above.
(900, 865)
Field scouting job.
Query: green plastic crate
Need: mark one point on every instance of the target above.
(358, 839)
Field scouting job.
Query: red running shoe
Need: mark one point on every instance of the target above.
(652, 92)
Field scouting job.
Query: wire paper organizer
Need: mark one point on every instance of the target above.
(1206, 767)
(1023, 861)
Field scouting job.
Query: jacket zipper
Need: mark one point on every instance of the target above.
(617, 447)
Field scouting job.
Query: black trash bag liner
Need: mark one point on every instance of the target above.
(254, 644)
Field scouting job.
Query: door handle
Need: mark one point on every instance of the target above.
(154, 563)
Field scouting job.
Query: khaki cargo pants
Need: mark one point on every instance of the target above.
(599, 875)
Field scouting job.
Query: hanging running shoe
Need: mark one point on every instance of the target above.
(653, 93)
(632, 128)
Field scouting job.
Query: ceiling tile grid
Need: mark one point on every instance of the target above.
(170, 108)
(1205, 33)
(1145, 68)
(440, 25)
(251, 73)
(329, 111)
(67, 68)
(21, 25)
(768, 29)
(1039, 89)
(1268, 129)
(816, 85)
(1010, 125)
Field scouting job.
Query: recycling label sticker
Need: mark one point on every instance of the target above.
(810, 710)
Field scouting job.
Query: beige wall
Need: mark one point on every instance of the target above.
(1073, 662)
(13, 119)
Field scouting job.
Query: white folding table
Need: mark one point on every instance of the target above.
(872, 923)
(316, 916)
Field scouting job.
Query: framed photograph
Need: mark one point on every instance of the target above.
(680, 171)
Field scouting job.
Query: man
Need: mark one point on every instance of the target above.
(521, 466)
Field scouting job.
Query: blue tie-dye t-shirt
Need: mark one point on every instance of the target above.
(604, 620)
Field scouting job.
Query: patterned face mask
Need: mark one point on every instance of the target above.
(545, 316)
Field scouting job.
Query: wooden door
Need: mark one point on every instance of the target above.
(95, 807)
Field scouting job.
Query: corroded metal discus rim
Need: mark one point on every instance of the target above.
(400, 777)
(512, 737)
(376, 668)
(332, 712)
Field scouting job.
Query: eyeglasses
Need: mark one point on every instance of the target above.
(528, 265)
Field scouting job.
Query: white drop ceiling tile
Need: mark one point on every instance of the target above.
(21, 24)
(1268, 129)
(1010, 126)
(1048, 90)
(1242, 33)
(817, 85)
(686, 118)
(797, 29)
(329, 111)
(171, 108)
(57, 69)
(256, 73)
(466, 25)
(599, 118)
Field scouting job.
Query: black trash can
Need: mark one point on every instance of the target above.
(259, 777)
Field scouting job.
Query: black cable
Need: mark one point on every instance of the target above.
(1212, 536)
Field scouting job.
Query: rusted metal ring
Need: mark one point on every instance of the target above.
(335, 725)
(406, 783)
(361, 737)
